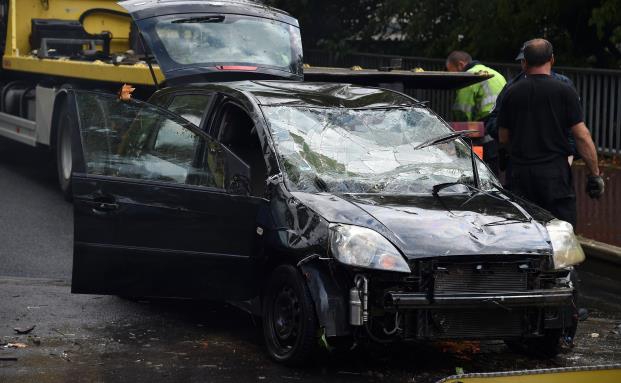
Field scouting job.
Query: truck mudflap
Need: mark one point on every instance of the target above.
(583, 374)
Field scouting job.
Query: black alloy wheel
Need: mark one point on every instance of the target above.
(289, 320)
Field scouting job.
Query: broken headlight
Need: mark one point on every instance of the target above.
(359, 246)
(567, 250)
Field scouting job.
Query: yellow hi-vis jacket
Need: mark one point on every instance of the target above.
(475, 102)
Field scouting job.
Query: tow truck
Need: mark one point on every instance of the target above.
(51, 46)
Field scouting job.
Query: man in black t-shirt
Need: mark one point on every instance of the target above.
(537, 116)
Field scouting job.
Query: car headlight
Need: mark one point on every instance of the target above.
(567, 249)
(359, 246)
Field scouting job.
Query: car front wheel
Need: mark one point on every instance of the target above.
(545, 347)
(289, 322)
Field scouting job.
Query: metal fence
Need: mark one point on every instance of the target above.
(599, 90)
(599, 219)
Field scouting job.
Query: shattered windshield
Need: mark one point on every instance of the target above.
(342, 150)
(210, 39)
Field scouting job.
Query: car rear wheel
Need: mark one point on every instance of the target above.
(289, 322)
(64, 156)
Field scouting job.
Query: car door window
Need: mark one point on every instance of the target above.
(190, 106)
(140, 141)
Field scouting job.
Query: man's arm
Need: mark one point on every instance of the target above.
(491, 122)
(586, 147)
(503, 136)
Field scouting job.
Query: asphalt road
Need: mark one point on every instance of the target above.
(84, 338)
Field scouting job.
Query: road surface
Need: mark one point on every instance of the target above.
(109, 339)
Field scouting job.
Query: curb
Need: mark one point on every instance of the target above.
(601, 251)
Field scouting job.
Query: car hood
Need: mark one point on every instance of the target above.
(446, 225)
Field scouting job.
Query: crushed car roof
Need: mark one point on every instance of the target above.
(319, 94)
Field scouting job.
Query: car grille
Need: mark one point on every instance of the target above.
(464, 277)
(479, 324)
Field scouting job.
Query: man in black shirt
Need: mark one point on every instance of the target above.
(537, 117)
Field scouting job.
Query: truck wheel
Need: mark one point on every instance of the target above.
(289, 322)
(64, 157)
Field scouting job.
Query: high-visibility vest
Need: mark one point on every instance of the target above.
(475, 102)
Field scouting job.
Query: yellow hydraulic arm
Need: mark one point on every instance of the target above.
(18, 55)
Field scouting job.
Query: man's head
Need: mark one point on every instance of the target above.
(538, 55)
(520, 58)
(457, 61)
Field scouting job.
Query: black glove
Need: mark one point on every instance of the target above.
(595, 186)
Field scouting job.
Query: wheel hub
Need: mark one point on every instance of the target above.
(286, 316)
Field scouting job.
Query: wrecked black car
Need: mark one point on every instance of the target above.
(339, 211)
(347, 211)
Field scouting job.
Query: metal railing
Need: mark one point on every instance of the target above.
(599, 89)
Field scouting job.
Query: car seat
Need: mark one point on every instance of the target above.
(237, 134)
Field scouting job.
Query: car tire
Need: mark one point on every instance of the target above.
(545, 347)
(290, 325)
(64, 156)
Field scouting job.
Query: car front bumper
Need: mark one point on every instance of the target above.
(531, 298)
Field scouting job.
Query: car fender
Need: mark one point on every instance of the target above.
(329, 298)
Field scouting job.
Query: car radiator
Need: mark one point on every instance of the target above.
(475, 324)
(480, 277)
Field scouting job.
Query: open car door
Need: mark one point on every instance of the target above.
(160, 208)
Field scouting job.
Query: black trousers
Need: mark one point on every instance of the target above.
(549, 185)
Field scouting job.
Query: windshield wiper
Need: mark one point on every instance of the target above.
(200, 19)
(445, 138)
(435, 190)
(453, 136)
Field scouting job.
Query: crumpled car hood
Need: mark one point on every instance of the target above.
(447, 225)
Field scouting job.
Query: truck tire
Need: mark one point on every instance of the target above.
(64, 156)
(290, 324)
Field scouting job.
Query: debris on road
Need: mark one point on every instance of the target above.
(594, 335)
(16, 345)
(461, 349)
(23, 331)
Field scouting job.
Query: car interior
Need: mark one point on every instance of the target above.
(238, 134)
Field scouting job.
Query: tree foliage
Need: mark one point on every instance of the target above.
(584, 32)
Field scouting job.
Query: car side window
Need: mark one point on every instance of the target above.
(190, 106)
(137, 140)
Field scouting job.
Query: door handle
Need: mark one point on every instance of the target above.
(104, 205)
